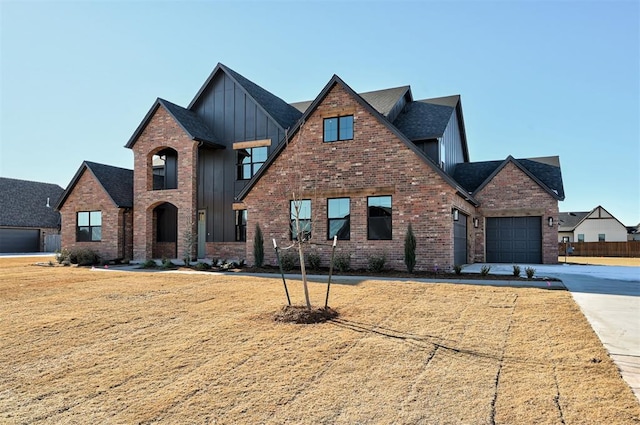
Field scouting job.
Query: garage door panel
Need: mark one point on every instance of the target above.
(514, 240)
(19, 240)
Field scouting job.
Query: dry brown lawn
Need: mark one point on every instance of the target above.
(604, 261)
(79, 346)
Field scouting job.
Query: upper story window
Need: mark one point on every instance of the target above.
(250, 160)
(338, 218)
(580, 237)
(301, 210)
(89, 226)
(165, 169)
(379, 218)
(241, 225)
(601, 237)
(338, 128)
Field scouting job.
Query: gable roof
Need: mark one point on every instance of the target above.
(26, 203)
(422, 120)
(569, 221)
(188, 120)
(117, 183)
(475, 175)
(281, 112)
(335, 80)
(382, 101)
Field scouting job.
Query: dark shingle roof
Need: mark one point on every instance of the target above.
(382, 101)
(191, 123)
(421, 120)
(472, 175)
(24, 203)
(569, 220)
(116, 181)
(284, 114)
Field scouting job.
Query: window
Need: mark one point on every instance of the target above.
(165, 170)
(301, 209)
(338, 128)
(379, 217)
(338, 218)
(249, 161)
(600, 237)
(89, 226)
(241, 225)
(580, 237)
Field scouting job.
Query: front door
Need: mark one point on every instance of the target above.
(202, 233)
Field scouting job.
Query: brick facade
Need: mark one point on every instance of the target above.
(374, 163)
(89, 195)
(162, 132)
(512, 193)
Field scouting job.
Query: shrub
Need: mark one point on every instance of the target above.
(83, 257)
(62, 255)
(342, 262)
(167, 264)
(314, 261)
(376, 263)
(258, 247)
(410, 249)
(149, 264)
(484, 270)
(288, 261)
(516, 270)
(457, 269)
(200, 266)
(530, 271)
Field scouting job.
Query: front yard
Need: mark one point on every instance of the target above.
(93, 346)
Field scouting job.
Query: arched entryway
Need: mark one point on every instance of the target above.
(165, 231)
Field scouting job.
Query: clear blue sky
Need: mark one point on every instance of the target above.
(537, 78)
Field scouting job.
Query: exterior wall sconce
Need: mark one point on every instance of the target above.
(550, 220)
(456, 214)
(476, 222)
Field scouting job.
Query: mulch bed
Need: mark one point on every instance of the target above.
(303, 315)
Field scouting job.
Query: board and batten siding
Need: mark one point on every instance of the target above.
(452, 141)
(234, 117)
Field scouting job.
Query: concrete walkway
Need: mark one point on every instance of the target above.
(609, 297)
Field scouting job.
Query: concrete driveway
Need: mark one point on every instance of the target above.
(609, 297)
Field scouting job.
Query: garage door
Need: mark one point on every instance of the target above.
(514, 240)
(19, 240)
(460, 240)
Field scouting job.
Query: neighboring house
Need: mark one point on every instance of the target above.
(366, 165)
(597, 225)
(27, 215)
(633, 233)
(96, 209)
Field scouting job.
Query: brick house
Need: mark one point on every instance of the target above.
(96, 211)
(401, 164)
(27, 216)
(365, 165)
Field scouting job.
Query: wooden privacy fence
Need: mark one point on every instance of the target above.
(602, 249)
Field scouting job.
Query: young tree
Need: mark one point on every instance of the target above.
(410, 249)
(258, 247)
(303, 235)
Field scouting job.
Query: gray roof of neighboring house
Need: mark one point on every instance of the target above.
(570, 220)
(24, 203)
(283, 113)
(116, 181)
(473, 175)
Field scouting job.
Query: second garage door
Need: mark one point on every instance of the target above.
(19, 240)
(514, 240)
